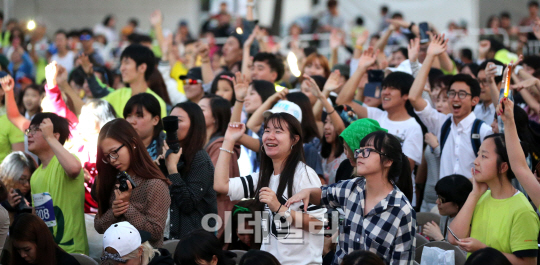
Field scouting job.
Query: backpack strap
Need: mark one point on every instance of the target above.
(475, 135)
(445, 131)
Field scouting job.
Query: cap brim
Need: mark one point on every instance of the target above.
(183, 77)
(145, 236)
(267, 113)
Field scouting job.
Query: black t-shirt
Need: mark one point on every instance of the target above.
(344, 171)
(63, 258)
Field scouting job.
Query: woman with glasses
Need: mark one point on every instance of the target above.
(452, 192)
(378, 216)
(15, 172)
(146, 201)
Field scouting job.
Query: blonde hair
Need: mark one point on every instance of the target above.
(148, 253)
(13, 166)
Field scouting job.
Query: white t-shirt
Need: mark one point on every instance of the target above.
(66, 61)
(408, 132)
(290, 245)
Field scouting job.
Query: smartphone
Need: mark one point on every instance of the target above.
(454, 235)
(499, 69)
(424, 28)
(373, 87)
(23, 207)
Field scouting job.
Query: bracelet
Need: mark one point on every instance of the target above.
(241, 101)
(225, 150)
(279, 208)
(331, 112)
(359, 47)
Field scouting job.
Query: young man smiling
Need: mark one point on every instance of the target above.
(457, 152)
(268, 67)
(394, 118)
(137, 64)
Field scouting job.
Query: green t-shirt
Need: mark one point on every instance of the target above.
(9, 134)
(120, 97)
(68, 201)
(508, 225)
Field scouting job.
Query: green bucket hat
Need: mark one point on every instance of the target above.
(353, 134)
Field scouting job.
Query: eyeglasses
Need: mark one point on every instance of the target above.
(192, 81)
(112, 155)
(483, 82)
(23, 181)
(366, 152)
(441, 199)
(32, 131)
(461, 94)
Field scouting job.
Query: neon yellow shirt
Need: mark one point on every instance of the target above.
(176, 71)
(68, 201)
(9, 134)
(507, 225)
(120, 97)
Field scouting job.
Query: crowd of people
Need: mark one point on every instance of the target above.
(112, 143)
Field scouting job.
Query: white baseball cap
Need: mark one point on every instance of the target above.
(285, 106)
(124, 238)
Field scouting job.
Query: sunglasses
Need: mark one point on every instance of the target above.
(365, 152)
(190, 81)
(85, 37)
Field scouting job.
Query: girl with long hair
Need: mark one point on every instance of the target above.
(146, 201)
(501, 217)
(217, 115)
(32, 244)
(378, 216)
(282, 174)
(190, 171)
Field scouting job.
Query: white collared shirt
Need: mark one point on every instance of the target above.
(457, 156)
(485, 114)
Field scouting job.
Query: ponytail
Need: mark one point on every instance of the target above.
(403, 179)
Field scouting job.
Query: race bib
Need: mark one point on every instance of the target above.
(44, 208)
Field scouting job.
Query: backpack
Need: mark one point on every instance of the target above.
(475, 134)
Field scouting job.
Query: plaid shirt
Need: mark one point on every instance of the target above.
(387, 230)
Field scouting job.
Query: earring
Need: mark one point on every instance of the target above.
(292, 146)
(262, 148)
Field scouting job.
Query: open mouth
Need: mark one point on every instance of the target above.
(387, 99)
(456, 106)
(271, 145)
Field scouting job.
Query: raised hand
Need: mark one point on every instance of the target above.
(315, 90)
(62, 75)
(203, 51)
(279, 95)
(249, 41)
(51, 71)
(414, 49)
(368, 58)
(438, 44)
(335, 39)
(241, 84)
(47, 129)
(235, 131)
(86, 64)
(333, 82)
(156, 18)
(505, 109)
(7, 83)
(362, 38)
(524, 84)
(491, 71)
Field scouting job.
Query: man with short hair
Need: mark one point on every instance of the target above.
(137, 64)
(395, 118)
(87, 40)
(267, 67)
(193, 84)
(485, 110)
(458, 130)
(63, 56)
(232, 52)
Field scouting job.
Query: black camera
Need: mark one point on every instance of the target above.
(170, 125)
(123, 177)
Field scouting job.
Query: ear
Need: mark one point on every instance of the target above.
(503, 168)
(214, 260)
(475, 100)
(274, 75)
(142, 68)
(57, 136)
(388, 163)
(296, 139)
(405, 97)
(140, 251)
(155, 120)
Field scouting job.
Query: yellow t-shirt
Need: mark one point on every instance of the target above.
(507, 225)
(120, 97)
(9, 134)
(176, 71)
(68, 201)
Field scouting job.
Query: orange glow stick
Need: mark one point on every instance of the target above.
(508, 77)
